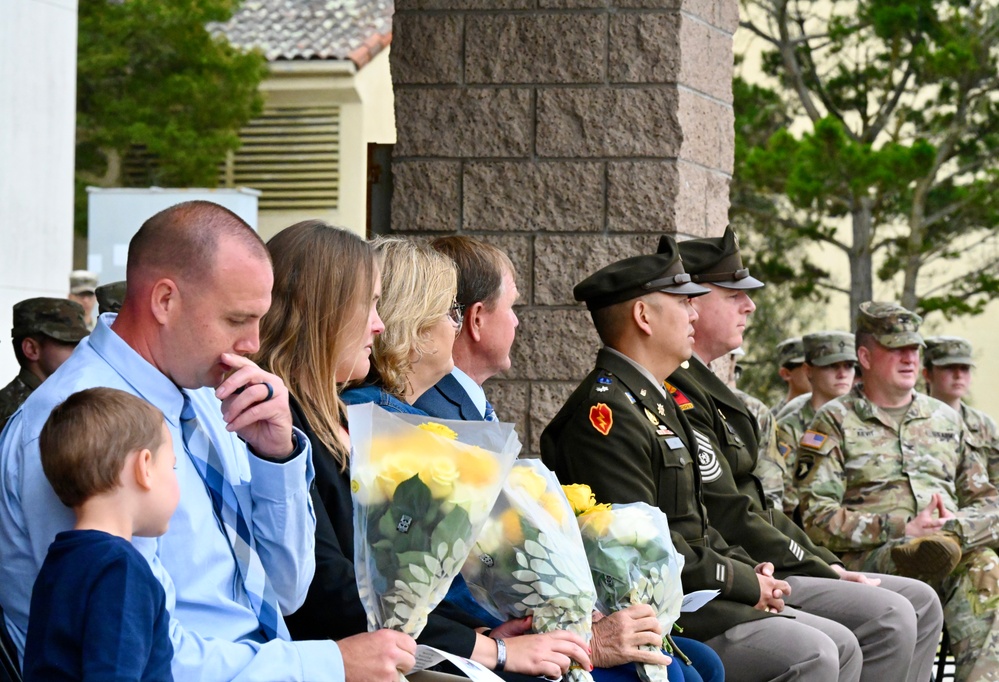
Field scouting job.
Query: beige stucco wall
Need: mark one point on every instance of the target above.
(366, 116)
(37, 121)
(981, 330)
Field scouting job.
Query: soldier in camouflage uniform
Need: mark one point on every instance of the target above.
(770, 467)
(45, 332)
(947, 367)
(903, 646)
(830, 358)
(791, 358)
(110, 297)
(885, 481)
(82, 284)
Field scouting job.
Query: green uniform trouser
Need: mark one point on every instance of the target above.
(970, 596)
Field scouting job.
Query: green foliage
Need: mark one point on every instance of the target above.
(151, 76)
(896, 166)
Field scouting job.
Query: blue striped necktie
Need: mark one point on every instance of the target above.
(207, 461)
(490, 415)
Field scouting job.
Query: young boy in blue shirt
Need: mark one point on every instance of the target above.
(97, 611)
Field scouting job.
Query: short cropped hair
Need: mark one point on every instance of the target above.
(481, 268)
(418, 286)
(87, 437)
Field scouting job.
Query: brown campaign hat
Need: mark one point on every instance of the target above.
(57, 318)
(636, 276)
(716, 260)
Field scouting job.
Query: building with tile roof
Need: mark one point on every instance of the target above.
(328, 97)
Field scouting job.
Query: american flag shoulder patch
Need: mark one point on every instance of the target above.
(813, 439)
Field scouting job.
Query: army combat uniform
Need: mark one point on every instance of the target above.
(15, 393)
(738, 510)
(981, 435)
(792, 421)
(770, 467)
(862, 478)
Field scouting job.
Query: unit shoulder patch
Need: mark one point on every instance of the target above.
(602, 418)
(681, 400)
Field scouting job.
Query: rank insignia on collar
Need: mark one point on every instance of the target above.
(682, 401)
(642, 392)
(660, 409)
(652, 417)
(602, 418)
(602, 389)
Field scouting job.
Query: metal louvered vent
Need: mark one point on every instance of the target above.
(290, 154)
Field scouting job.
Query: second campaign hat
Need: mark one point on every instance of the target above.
(636, 276)
(57, 318)
(716, 260)
(891, 325)
(942, 351)
(828, 348)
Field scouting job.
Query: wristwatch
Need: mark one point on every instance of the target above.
(500, 655)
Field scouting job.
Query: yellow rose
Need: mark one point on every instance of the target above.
(394, 470)
(439, 429)
(439, 475)
(512, 530)
(477, 467)
(554, 504)
(580, 497)
(527, 479)
(596, 522)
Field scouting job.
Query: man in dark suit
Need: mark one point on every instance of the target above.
(622, 434)
(487, 291)
(896, 629)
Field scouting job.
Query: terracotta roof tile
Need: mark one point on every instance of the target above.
(311, 29)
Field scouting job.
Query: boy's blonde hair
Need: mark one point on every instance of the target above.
(87, 437)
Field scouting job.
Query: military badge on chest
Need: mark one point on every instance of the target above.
(707, 459)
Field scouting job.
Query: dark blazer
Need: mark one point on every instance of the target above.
(736, 503)
(448, 400)
(332, 608)
(618, 434)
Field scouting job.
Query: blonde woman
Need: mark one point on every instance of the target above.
(318, 334)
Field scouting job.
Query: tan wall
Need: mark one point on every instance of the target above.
(366, 116)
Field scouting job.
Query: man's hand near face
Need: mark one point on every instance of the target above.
(264, 423)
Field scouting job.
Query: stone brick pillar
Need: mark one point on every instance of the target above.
(570, 133)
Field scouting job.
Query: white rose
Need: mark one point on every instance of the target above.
(632, 526)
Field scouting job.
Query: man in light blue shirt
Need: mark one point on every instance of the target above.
(199, 280)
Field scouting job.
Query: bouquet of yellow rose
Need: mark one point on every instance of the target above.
(529, 559)
(633, 561)
(422, 490)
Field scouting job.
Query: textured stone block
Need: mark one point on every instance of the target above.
(708, 130)
(578, 122)
(691, 199)
(706, 10)
(463, 122)
(535, 48)
(646, 4)
(547, 398)
(645, 47)
(425, 196)
(562, 262)
(426, 48)
(642, 196)
(707, 62)
(519, 249)
(727, 15)
(510, 399)
(540, 196)
(573, 4)
(553, 345)
(717, 194)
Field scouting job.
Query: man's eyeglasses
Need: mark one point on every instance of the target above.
(456, 313)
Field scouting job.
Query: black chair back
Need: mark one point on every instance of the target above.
(10, 669)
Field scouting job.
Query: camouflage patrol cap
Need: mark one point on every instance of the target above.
(57, 318)
(82, 282)
(947, 350)
(828, 348)
(110, 297)
(790, 352)
(716, 260)
(636, 276)
(891, 325)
